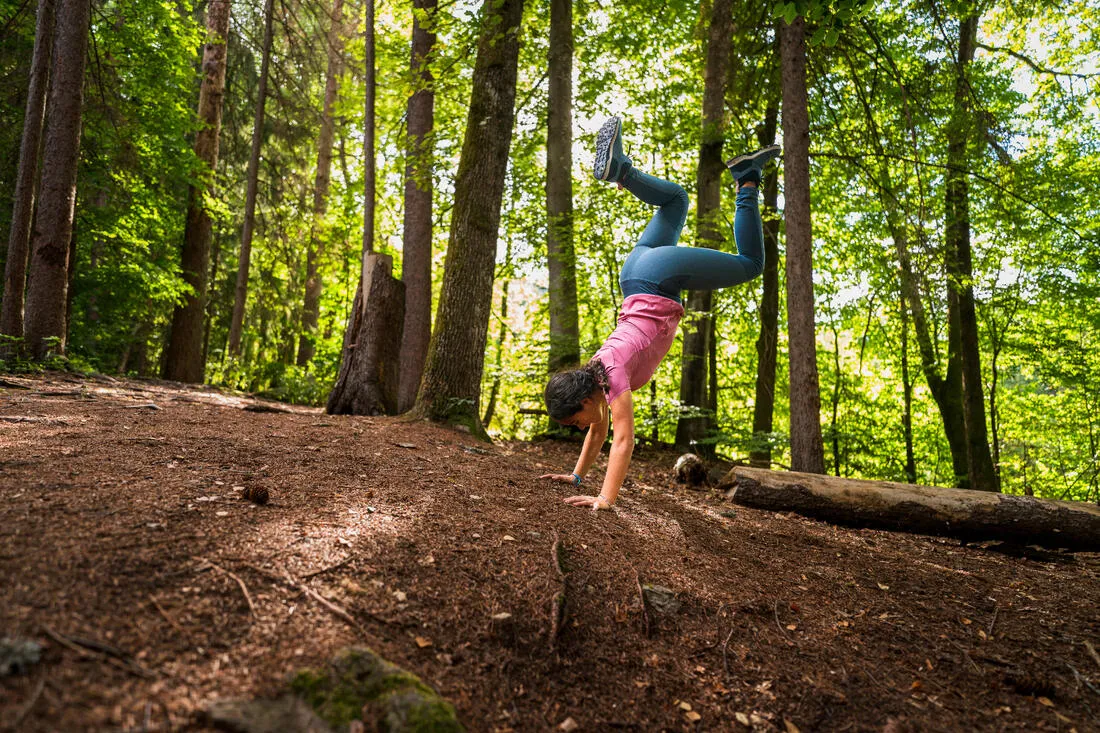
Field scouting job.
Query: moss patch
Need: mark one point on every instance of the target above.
(360, 683)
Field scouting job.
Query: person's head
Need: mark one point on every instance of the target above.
(576, 396)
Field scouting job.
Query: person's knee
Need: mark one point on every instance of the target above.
(755, 266)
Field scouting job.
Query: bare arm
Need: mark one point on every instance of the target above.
(593, 442)
(622, 448)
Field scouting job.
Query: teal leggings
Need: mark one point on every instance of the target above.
(658, 267)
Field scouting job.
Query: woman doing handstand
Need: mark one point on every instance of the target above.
(651, 280)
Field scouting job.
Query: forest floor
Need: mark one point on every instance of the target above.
(127, 552)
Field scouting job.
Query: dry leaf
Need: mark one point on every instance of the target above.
(1046, 701)
(504, 616)
(883, 587)
(791, 627)
(400, 596)
(422, 642)
(568, 725)
(966, 621)
(928, 663)
(693, 717)
(916, 685)
(742, 719)
(509, 538)
(685, 706)
(791, 727)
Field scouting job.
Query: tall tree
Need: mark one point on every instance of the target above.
(315, 250)
(944, 383)
(15, 268)
(450, 390)
(564, 328)
(807, 450)
(183, 357)
(416, 265)
(767, 343)
(240, 292)
(698, 422)
(47, 284)
(980, 472)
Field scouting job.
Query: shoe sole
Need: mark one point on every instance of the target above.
(754, 156)
(605, 141)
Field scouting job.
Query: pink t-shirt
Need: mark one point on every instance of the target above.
(647, 326)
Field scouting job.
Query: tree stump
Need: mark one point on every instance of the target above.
(962, 513)
(371, 365)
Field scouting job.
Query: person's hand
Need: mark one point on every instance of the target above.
(596, 502)
(563, 477)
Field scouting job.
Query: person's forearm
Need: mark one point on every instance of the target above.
(593, 442)
(617, 463)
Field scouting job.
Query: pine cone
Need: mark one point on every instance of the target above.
(256, 494)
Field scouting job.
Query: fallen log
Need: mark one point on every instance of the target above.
(962, 513)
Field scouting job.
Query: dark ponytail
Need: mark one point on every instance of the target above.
(567, 389)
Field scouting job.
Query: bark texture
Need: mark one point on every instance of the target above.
(450, 389)
(767, 343)
(564, 329)
(924, 509)
(240, 293)
(371, 365)
(807, 450)
(47, 283)
(416, 264)
(698, 421)
(980, 472)
(183, 357)
(311, 308)
(19, 237)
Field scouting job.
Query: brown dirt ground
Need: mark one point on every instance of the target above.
(120, 525)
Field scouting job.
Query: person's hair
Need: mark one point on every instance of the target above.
(567, 389)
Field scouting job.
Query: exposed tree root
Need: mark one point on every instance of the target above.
(557, 604)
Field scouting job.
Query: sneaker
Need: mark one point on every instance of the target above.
(610, 163)
(750, 166)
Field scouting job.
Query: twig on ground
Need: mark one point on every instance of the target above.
(18, 721)
(1081, 678)
(328, 569)
(645, 603)
(993, 620)
(1092, 652)
(167, 616)
(90, 648)
(329, 605)
(775, 610)
(244, 588)
(557, 604)
(725, 656)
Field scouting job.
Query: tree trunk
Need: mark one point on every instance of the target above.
(907, 396)
(370, 78)
(451, 387)
(980, 473)
(564, 328)
(240, 294)
(15, 268)
(768, 341)
(925, 509)
(47, 285)
(183, 356)
(697, 422)
(807, 450)
(371, 366)
(416, 265)
(311, 308)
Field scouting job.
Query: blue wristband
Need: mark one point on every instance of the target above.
(576, 479)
